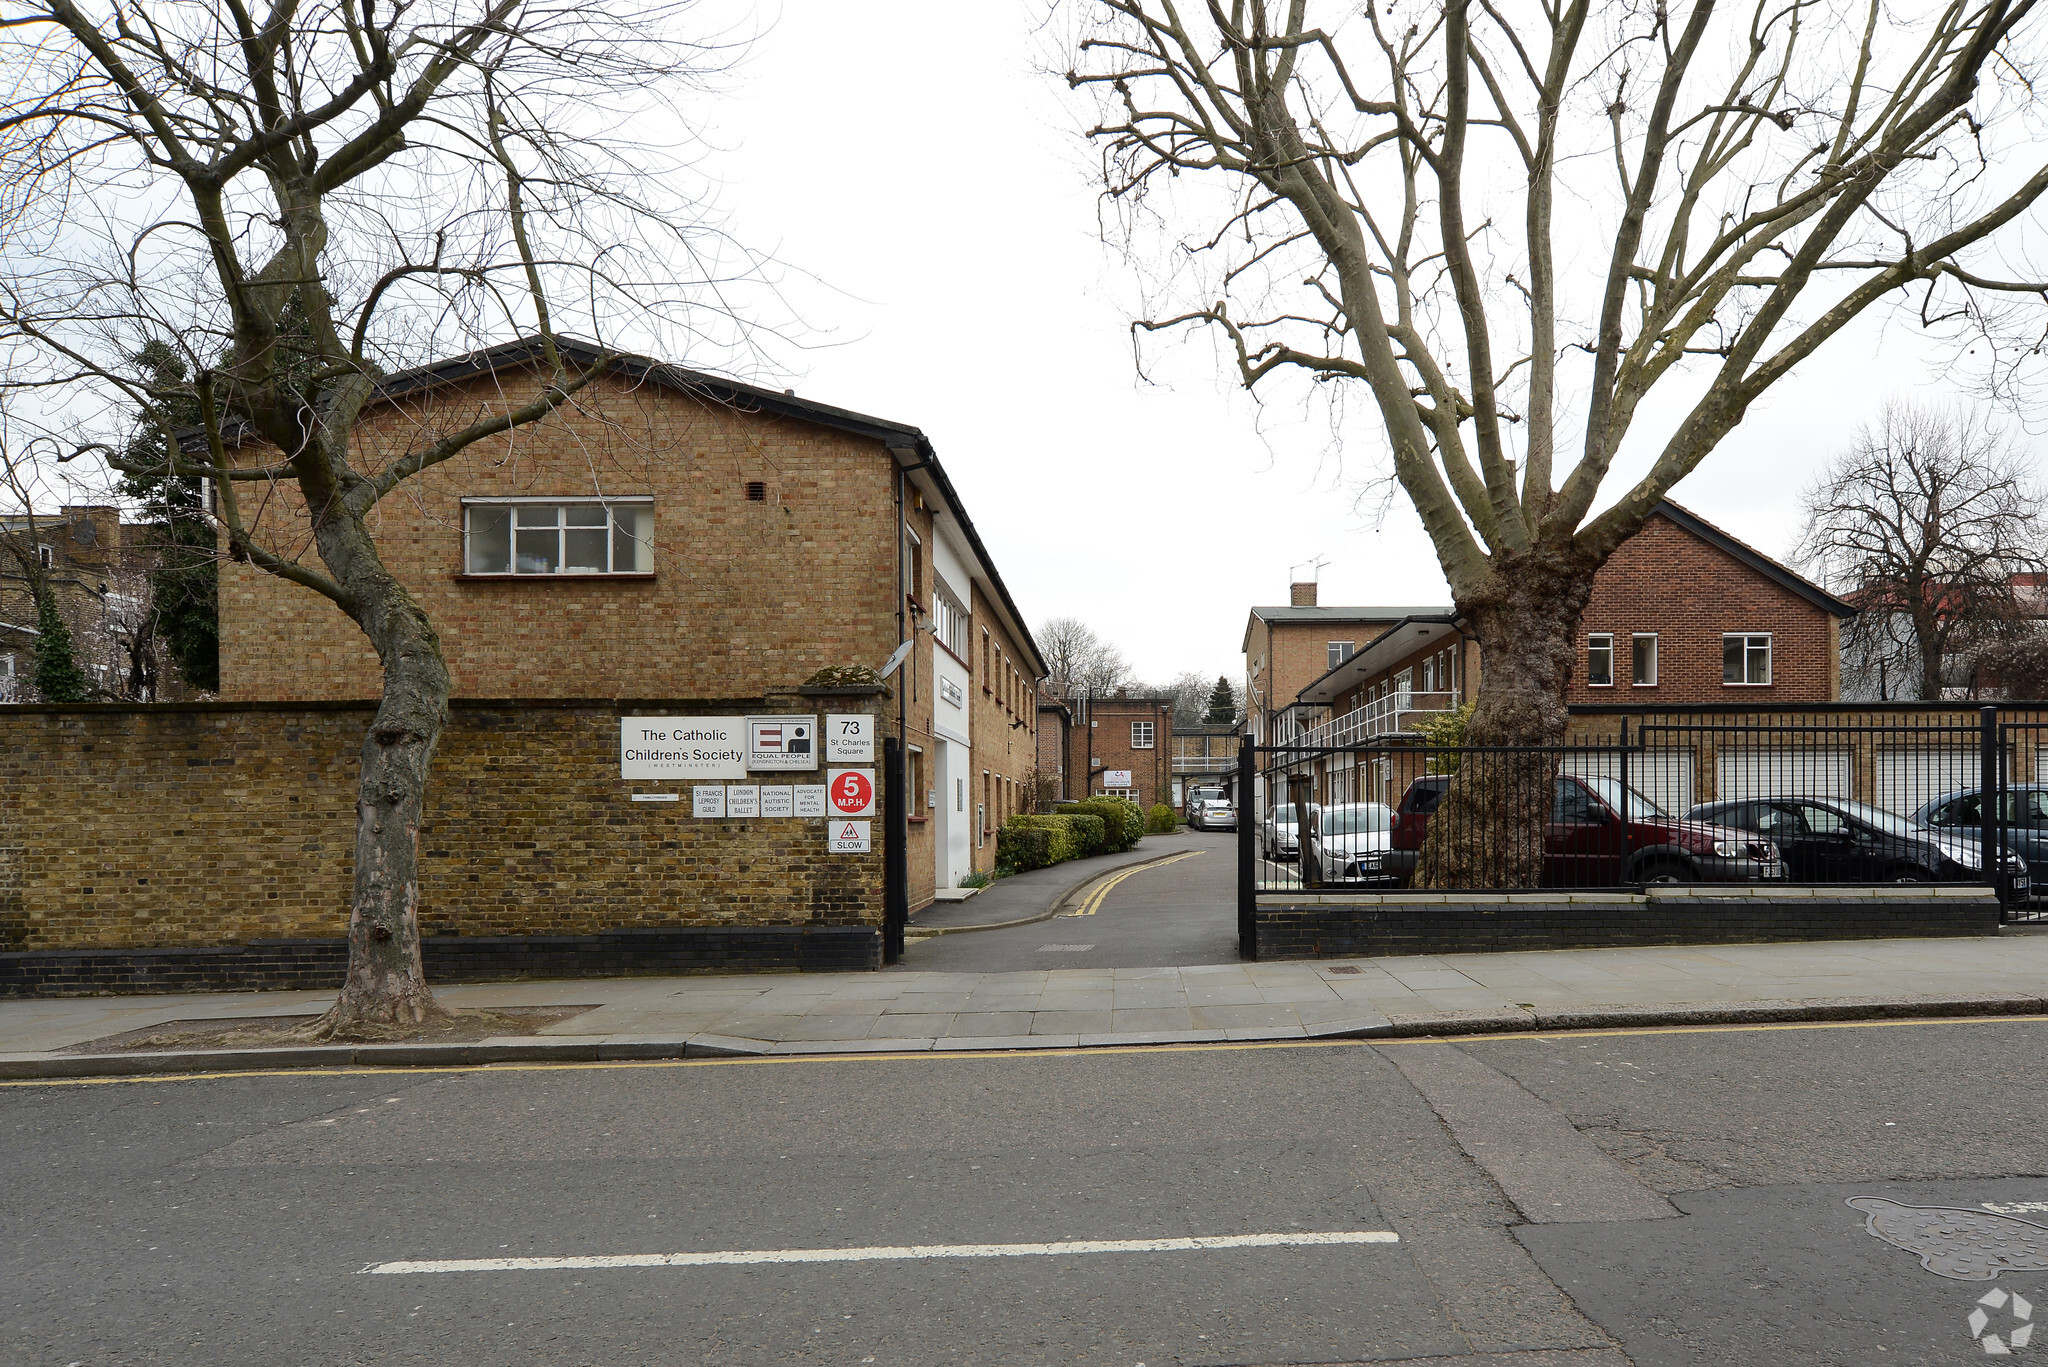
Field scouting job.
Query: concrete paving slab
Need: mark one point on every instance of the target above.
(990, 1024)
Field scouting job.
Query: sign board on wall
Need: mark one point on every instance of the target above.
(850, 791)
(682, 747)
(849, 738)
(708, 800)
(849, 837)
(782, 742)
(1116, 778)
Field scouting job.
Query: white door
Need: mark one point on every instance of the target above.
(1784, 773)
(952, 819)
(1907, 779)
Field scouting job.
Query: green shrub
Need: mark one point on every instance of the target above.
(1161, 820)
(1073, 835)
(978, 879)
(1020, 847)
(1446, 729)
(1123, 819)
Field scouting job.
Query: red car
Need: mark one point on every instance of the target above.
(1584, 844)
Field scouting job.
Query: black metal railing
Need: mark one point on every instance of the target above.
(1809, 798)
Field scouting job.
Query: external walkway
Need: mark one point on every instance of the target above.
(1055, 1008)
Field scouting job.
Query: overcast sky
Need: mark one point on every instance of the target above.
(932, 181)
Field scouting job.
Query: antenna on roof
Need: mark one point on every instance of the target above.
(1314, 567)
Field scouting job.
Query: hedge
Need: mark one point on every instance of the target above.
(1020, 847)
(1161, 820)
(1073, 835)
(1123, 819)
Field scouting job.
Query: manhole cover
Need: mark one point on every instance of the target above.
(1064, 949)
(1964, 1245)
(1345, 969)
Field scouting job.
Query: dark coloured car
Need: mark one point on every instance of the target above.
(2025, 820)
(1587, 845)
(1834, 840)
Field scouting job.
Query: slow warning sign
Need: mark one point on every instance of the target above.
(850, 791)
(849, 837)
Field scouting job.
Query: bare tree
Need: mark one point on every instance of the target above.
(1077, 660)
(1922, 523)
(1536, 235)
(296, 202)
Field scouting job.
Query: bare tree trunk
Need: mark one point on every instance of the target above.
(386, 983)
(1488, 829)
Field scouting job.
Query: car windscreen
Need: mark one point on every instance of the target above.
(1639, 807)
(1891, 823)
(1361, 819)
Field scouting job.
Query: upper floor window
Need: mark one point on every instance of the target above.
(1339, 652)
(916, 558)
(1643, 659)
(1600, 660)
(1746, 657)
(46, 556)
(532, 536)
(1141, 735)
(949, 620)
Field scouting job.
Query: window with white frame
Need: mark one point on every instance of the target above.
(1131, 793)
(1339, 652)
(1746, 657)
(949, 620)
(1643, 659)
(6, 678)
(1141, 735)
(46, 556)
(1600, 660)
(545, 536)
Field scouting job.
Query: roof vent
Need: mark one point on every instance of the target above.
(757, 491)
(1302, 595)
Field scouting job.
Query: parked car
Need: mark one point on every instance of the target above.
(1213, 814)
(2025, 821)
(1834, 840)
(1350, 842)
(1584, 844)
(1195, 797)
(1280, 838)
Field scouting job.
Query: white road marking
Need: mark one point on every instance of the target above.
(912, 1252)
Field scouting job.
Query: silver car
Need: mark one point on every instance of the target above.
(1350, 843)
(1214, 814)
(1280, 838)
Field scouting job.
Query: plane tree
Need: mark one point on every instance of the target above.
(234, 220)
(1560, 250)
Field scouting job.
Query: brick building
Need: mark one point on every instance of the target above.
(1683, 614)
(1288, 648)
(96, 567)
(682, 538)
(1122, 744)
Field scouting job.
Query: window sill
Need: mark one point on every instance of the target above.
(580, 578)
(917, 820)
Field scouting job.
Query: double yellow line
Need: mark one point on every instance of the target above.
(1092, 903)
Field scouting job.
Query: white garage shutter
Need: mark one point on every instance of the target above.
(1663, 776)
(1784, 773)
(1908, 778)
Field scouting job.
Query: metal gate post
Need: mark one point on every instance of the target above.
(1624, 812)
(1989, 801)
(895, 851)
(1247, 854)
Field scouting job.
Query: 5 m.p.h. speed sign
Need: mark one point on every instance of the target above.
(850, 792)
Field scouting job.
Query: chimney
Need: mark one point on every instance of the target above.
(1301, 595)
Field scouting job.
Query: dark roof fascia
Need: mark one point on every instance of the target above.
(1435, 619)
(1755, 559)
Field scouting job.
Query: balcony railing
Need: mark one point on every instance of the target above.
(1382, 717)
(1204, 764)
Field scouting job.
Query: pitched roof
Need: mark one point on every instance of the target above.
(1755, 559)
(910, 447)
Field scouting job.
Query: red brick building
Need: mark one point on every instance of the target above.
(1122, 745)
(1682, 615)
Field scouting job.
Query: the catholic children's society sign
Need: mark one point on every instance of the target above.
(682, 747)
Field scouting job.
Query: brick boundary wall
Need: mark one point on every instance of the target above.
(211, 845)
(317, 965)
(1337, 931)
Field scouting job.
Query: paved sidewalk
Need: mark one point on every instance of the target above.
(1068, 1008)
(1035, 895)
